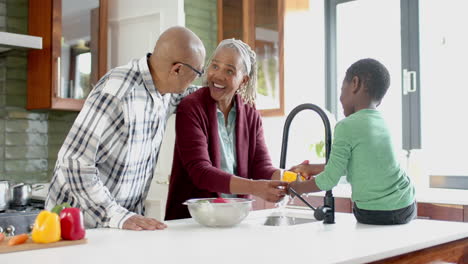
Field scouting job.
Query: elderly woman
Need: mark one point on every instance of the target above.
(220, 150)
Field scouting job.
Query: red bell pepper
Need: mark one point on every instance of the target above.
(220, 200)
(71, 223)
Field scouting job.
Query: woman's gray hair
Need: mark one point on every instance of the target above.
(248, 92)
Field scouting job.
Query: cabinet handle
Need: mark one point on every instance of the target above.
(58, 92)
(162, 182)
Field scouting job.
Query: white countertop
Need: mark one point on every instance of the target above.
(184, 241)
(423, 195)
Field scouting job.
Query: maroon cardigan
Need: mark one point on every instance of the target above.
(196, 167)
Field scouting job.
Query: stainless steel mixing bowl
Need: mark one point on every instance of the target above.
(207, 213)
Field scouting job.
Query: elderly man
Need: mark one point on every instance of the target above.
(106, 163)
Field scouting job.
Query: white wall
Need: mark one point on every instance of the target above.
(304, 64)
(134, 27)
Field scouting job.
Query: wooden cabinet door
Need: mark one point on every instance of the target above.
(441, 212)
(259, 23)
(342, 205)
(465, 213)
(74, 53)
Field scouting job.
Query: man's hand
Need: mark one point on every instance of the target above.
(271, 191)
(138, 223)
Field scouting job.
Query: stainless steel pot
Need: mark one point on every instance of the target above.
(4, 195)
(21, 193)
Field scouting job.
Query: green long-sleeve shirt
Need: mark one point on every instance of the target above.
(362, 150)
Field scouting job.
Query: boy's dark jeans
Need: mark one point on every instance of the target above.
(395, 217)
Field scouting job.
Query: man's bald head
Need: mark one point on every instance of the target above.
(176, 50)
(179, 44)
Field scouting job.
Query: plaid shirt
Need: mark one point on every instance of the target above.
(106, 163)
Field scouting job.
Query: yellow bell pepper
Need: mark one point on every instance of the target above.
(46, 228)
(289, 176)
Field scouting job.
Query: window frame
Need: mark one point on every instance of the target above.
(411, 101)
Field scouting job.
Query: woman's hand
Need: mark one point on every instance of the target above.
(270, 191)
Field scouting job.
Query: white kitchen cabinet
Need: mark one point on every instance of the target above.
(157, 196)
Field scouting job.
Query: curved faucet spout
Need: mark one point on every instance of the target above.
(287, 124)
(329, 200)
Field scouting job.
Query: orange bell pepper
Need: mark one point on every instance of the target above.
(46, 228)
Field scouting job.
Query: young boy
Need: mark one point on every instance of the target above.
(362, 149)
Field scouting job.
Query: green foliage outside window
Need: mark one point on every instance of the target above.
(319, 148)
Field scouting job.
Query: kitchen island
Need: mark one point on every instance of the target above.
(185, 241)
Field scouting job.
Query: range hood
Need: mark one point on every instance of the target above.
(19, 41)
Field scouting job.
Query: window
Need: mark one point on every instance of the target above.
(443, 56)
(423, 44)
(359, 38)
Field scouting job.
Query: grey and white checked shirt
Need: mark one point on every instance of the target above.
(106, 163)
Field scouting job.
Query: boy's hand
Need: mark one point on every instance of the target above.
(301, 187)
(308, 170)
(295, 186)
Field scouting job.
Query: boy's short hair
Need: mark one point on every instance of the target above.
(373, 75)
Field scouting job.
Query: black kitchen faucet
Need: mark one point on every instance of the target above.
(327, 211)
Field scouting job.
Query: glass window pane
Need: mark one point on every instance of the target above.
(82, 75)
(371, 29)
(267, 49)
(443, 53)
(80, 27)
(304, 82)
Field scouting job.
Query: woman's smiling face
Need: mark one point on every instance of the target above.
(225, 75)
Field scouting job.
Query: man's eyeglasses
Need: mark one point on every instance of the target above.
(199, 73)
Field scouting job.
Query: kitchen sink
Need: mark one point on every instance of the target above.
(279, 218)
(287, 220)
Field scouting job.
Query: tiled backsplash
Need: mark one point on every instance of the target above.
(29, 140)
(201, 18)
